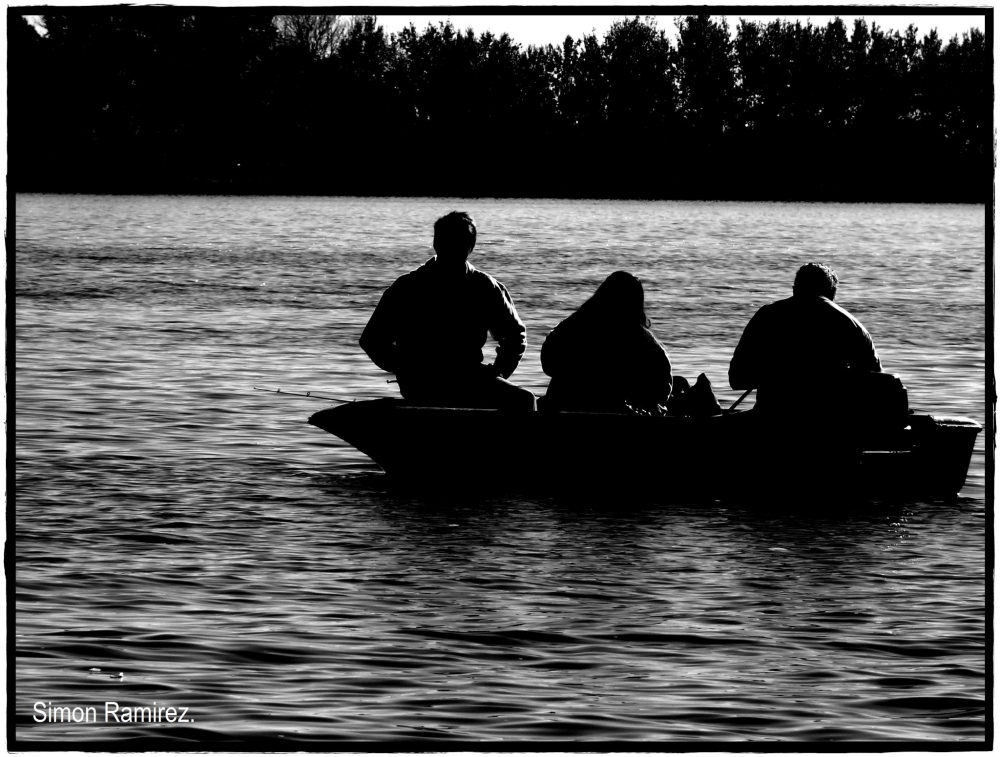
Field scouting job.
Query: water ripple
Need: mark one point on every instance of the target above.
(185, 540)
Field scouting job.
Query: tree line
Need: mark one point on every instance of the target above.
(212, 100)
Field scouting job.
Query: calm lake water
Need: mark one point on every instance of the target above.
(185, 540)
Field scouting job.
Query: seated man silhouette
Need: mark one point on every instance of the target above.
(797, 352)
(801, 354)
(430, 327)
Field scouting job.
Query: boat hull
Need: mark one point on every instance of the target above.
(731, 454)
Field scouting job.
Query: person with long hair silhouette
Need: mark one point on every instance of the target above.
(604, 357)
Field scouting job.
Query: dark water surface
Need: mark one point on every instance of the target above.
(185, 540)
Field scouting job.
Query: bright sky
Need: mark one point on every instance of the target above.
(533, 29)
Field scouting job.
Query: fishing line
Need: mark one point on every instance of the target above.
(308, 395)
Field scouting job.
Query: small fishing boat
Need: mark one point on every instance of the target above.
(888, 451)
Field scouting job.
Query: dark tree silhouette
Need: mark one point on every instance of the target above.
(706, 72)
(240, 100)
(640, 80)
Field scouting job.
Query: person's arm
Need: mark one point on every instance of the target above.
(508, 329)
(379, 337)
(664, 377)
(744, 368)
(866, 357)
(652, 380)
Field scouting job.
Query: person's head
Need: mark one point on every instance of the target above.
(454, 237)
(815, 280)
(619, 298)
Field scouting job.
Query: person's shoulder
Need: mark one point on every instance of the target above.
(415, 275)
(828, 310)
(653, 339)
(778, 305)
(834, 308)
(846, 315)
(804, 306)
(652, 345)
(778, 308)
(481, 276)
(839, 308)
(483, 279)
(423, 269)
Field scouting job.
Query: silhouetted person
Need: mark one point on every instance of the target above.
(796, 352)
(603, 357)
(805, 356)
(430, 327)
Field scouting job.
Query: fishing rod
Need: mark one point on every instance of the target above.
(733, 406)
(309, 395)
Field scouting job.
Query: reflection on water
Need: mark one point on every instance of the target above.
(196, 536)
